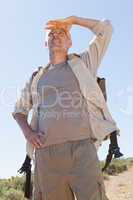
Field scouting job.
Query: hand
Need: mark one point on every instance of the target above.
(65, 23)
(36, 139)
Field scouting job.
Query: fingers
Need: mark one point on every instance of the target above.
(50, 27)
(37, 141)
(55, 24)
(52, 24)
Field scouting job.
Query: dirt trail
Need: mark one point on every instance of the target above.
(120, 187)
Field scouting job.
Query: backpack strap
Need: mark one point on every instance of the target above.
(35, 72)
(102, 84)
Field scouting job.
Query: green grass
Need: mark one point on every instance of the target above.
(117, 166)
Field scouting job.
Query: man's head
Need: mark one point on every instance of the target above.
(59, 39)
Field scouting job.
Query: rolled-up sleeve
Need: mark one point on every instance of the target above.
(93, 55)
(24, 103)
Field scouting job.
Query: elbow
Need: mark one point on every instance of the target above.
(13, 115)
(18, 115)
(108, 26)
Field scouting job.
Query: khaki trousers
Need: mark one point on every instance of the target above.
(66, 170)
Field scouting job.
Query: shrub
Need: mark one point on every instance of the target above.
(13, 194)
(117, 166)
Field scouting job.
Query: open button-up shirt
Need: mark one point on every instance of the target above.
(84, 66)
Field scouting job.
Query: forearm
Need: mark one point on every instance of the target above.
(85, 22)
(23, 124)
(34, 139)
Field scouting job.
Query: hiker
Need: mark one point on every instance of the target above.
(70, 117)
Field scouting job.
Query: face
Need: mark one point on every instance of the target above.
(59, 39)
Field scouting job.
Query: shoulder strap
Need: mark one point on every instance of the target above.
(102, 84)
(35, 72)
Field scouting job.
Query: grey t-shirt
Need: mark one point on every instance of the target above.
(63, 115)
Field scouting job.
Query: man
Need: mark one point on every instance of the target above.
(68, 123)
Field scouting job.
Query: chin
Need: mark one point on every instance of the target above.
(57, 48)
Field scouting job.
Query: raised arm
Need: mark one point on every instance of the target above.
(97, 47)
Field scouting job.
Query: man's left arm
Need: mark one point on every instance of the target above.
(102, 29)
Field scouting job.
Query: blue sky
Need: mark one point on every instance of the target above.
(22, 51)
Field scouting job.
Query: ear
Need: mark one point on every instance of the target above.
(70, 43)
